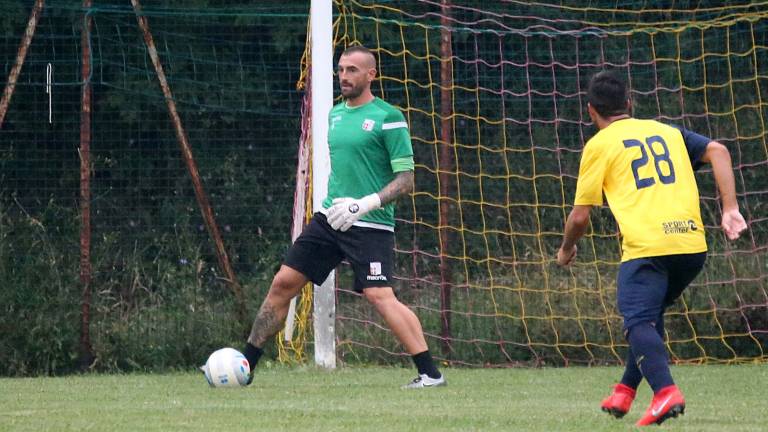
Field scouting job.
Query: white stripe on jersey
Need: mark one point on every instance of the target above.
(374, 225)
(397, 125)
(364, 223)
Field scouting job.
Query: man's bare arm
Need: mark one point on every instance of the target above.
(732, 221)
(344, 212)
(575, 227)
(401, 185)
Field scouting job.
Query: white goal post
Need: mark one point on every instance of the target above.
(324, 313)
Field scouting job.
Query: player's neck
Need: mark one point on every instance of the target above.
(360, 100)
(604, 122)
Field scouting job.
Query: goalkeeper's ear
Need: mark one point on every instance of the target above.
(371, 75)
(370, 63)
(593, 115)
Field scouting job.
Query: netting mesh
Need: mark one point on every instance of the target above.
(497, 142)
(160, 297)
(494, 98)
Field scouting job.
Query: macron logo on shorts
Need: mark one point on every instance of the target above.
(375, 272)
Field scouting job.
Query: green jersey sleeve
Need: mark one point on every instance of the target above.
(397, 140)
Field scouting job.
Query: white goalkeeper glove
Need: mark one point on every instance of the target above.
(346, 211)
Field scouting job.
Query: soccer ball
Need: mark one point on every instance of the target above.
(227, 367)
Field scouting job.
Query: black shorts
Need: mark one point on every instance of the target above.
(647, 286)
(320, 248)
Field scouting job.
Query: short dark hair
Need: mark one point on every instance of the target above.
(608, 93)
(356, 48)
(359, 49)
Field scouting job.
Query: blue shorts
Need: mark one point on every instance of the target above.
(647, 286)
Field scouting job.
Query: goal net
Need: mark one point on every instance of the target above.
(494, 94)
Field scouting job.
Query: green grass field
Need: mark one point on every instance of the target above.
(719, 398)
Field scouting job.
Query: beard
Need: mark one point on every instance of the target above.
(351, 92)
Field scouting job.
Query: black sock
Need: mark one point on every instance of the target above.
(252, 354)
(425, 364)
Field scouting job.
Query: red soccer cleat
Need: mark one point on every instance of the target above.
(619, 402)
(667, 403)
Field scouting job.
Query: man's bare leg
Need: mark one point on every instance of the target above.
(400, 319)
(271, 316)
(407, 329)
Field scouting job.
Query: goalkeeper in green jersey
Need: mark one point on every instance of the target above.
(371, 165)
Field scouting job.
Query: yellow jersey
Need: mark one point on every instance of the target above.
(645, 168)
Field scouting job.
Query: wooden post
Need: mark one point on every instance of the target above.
(10, 86)
(186, 151)
(86, 350)
(445, 166)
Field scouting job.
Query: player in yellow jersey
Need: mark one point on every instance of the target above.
(645, 169)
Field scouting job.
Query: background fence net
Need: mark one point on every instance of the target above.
(494, 97)
(159, 296)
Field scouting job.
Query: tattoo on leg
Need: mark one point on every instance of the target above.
(265, 325)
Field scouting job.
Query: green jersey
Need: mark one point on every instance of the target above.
(368, 144)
